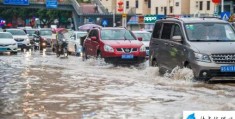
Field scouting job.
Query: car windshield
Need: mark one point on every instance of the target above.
(5, 35)
(210, 32)
(146, 36)
(116, 34)
(17, 32)
(45, 32)
(30, 32)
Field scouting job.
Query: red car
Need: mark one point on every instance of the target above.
(115, 45)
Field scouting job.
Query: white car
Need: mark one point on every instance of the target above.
(7, 43)
(146, 36)
(21, 38)
(74, 43)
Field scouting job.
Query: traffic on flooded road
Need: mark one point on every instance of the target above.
(40, 85)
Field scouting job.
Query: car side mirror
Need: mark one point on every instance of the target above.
(140, 38)
(177, 39)
(93, 38)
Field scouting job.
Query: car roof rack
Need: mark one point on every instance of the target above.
(210, 17)
(171, 17)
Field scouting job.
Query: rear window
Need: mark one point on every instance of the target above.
(116, 34)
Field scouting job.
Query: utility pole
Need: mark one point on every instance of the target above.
(124, 12)
(114, 13)
(222, 5)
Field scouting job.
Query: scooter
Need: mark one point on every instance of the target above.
(62, 50)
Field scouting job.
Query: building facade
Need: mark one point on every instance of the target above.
(170, 7)
(205, 7)
(132, 6)
(110, 5)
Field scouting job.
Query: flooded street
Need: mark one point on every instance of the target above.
(42, 86)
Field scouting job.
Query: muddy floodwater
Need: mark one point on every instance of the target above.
(42, 86)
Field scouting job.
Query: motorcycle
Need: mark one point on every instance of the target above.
(62, 50)
(39, 43)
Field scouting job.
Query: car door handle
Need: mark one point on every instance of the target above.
(171, 45)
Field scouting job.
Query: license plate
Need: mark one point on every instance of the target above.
(227, 68)
(3, 49)
(127, 56)
(147, 52)
(20, 43)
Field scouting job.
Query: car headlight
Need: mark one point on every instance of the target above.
(108, 48)
(27, 40)
(142, 48)
(202, 57)
(44, 44)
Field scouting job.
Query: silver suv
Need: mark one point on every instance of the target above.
(206, 45)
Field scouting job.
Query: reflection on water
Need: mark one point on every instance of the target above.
(36, 86)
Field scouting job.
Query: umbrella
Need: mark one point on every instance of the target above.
(88, 26)
(58, 30)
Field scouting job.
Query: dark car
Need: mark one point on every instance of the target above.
(205, 45)
(115, 45)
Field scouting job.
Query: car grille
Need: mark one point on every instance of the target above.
(127, 50)
(223, 58)
(19, 40)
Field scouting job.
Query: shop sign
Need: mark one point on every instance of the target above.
(150, 19)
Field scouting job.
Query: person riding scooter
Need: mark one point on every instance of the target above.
(61, 45)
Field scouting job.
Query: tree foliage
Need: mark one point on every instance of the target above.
(45, 15)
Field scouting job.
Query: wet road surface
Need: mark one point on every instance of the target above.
(41, 86)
